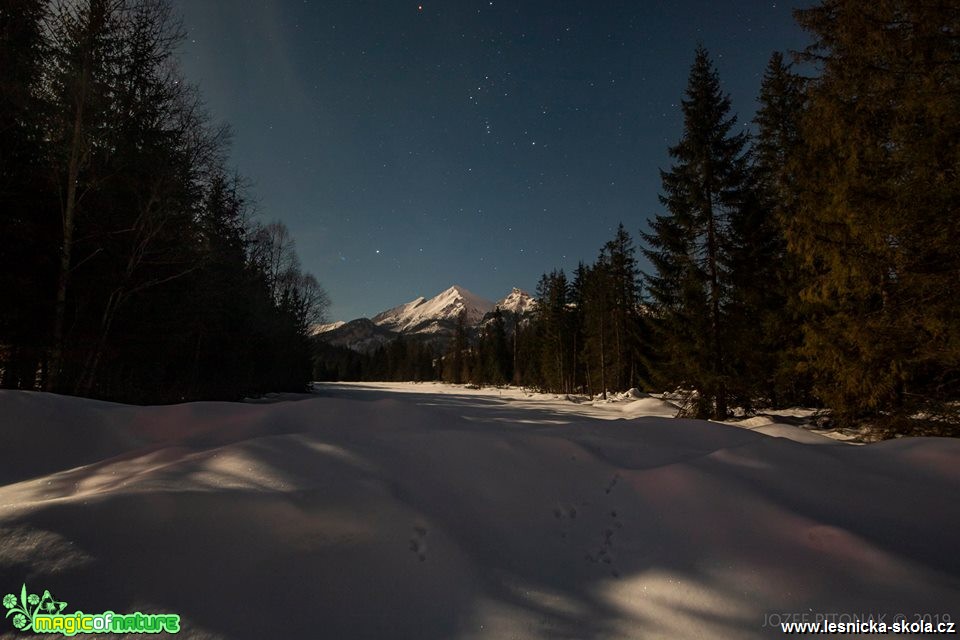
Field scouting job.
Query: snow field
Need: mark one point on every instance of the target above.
(430, 511)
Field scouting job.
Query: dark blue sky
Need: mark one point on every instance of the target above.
(469, 142)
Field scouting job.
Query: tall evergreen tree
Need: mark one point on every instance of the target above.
(782, 104)
(579, 298)
(553, 327)
(455, 360)
(764, 330)
(624, 287)
(84, 49)
(499, 368)
(223, 321)
(598, 344)
(879, 208)
(778, 129)
(686, 246)
(28, 221)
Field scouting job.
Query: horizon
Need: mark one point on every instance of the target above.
(484, 143)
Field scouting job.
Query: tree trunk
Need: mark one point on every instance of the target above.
(96, 19)
(88, 375)
(720, 410)
(69, 223)
(603, 362)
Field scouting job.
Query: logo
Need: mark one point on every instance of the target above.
(44, 614)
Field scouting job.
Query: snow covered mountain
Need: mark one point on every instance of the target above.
(433, 315)
(432, 320)
(519, 302)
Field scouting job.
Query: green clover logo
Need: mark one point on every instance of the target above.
(27, 606)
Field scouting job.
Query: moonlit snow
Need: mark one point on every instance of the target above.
(429, 511)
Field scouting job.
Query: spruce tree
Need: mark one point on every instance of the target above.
(879, 208)
(455, 360)
(28, 217)
(778, 128)
(624, 286)
(497, 359)
(83, 40)
(599, 348)
(553, 326)
(606, 317)
(764, 329)
(687, 245)
(578, 327)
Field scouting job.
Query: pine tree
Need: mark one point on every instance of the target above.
(782, 106)
(878, 213)
(579, 295)
(83, 41)
(223, 319)
(687, 245)
(455, 360)
(624, 286)
(499, 369)
(598, 346)
(553, 327)
(778, 128)
(764, 330)
(28, 219)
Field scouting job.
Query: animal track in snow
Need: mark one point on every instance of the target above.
(560, 513)
(418, 543)
(613, 482)
(604, 554)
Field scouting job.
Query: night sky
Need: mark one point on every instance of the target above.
(413, 146)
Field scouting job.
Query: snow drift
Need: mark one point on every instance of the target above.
(361, 513)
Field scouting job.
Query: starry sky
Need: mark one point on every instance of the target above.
(414, 145)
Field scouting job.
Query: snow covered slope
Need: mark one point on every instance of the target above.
(429, 316)
(323, 328)
(360, 513)
(519, 302)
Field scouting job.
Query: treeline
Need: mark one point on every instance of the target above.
(816, 261)
(587, 334)
(482, 355)
(402, 360)
(130, 268)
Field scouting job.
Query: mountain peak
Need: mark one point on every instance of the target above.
(421, 315)
(518, 301)
(456, 290)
